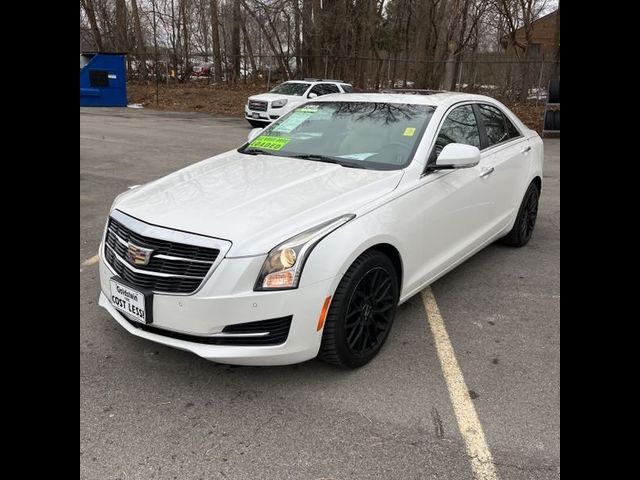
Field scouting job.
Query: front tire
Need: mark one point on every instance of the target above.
(522, 229)
(361, 312)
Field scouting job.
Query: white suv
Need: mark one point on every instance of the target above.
(261, 110)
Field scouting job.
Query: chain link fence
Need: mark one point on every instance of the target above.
(498, 75)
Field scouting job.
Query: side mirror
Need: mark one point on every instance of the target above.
(254, 133)
(312, 95)
(458, 155)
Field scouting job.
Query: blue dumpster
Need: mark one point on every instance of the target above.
(102, 80)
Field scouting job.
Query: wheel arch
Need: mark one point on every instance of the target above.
(393, 254)
(330, 257)
(538, 182)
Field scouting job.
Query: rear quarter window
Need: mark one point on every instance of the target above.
(512, 129)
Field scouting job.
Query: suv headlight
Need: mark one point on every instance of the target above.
(278, 103)
(283, 266)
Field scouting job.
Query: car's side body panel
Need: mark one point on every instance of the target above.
(438, 220)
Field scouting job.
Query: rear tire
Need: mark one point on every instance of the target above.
(361, 313)
(522, 229)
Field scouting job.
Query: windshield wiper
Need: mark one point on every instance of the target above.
(255, 151)
(328, 159)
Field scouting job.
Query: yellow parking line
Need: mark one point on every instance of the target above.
(90, 261)
(463, 408)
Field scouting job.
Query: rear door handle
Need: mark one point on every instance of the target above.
(525, 150)
(486, 171)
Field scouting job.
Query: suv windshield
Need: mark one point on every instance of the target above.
(289, 88)
(372, 135)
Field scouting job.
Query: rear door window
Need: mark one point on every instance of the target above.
(496, 125)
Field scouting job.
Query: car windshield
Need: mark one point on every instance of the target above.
(372, 135)
(289, 88)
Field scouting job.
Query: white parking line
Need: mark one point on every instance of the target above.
(463, 408)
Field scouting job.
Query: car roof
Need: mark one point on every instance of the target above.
(435, 99)
(316, 80)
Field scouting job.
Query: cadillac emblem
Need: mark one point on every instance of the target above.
(138, 255)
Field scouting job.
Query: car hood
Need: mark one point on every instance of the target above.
(256, 202)
(269, 97)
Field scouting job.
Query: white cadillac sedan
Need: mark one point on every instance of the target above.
(303, 241)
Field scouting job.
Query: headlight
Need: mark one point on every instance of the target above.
(278, 103)
(283, 267)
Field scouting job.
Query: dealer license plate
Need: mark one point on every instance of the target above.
(129, 301)
(255, 115)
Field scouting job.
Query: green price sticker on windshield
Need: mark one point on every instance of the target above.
(270, 143)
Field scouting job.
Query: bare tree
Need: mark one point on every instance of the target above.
(89, 9)
(235, 42)
(297, 41)
(141, 51)
(519, 15)
(215, 41)
(121, 26)
(184, 16)
(248, 46)
(270, 36)
(421, 43)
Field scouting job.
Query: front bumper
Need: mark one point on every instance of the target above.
(216, 305)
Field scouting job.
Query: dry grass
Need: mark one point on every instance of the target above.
(229, 101)
(530, 113)
(218, 100)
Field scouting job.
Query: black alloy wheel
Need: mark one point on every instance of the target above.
(367, 320)
(529, 216)
(522, 229)
(362, 312)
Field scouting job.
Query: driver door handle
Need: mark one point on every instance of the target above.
(525, 150)
(486, 171)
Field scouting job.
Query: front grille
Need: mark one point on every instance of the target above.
(173, 267)
(277, 330)
(258, 105)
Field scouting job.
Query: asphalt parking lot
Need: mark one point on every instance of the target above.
(148, 411)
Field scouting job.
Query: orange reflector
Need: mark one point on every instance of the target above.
(323, 313)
